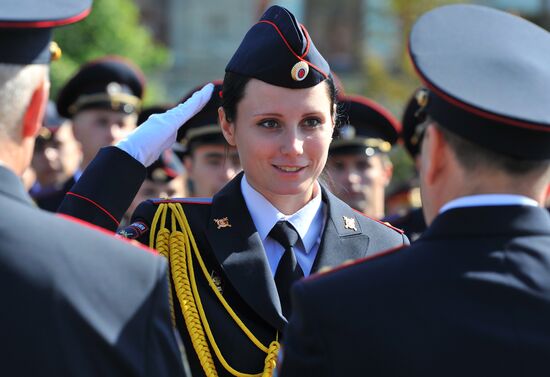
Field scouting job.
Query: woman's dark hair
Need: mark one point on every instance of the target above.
(233, 91)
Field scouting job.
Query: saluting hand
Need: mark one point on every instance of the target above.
(159, 131)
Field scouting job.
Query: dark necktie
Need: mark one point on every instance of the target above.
(288, 270)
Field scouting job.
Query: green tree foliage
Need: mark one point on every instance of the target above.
(112, 28)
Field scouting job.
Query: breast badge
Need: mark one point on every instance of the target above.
(222, 223)
(349, 223)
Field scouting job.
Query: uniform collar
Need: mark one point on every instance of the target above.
(489, 200)
(307, 221)
(11, 185)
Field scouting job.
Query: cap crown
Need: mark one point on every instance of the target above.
(279, 51)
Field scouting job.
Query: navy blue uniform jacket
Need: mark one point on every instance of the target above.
(75, 301)
(412, 223)
(234, 255)
(471, 297)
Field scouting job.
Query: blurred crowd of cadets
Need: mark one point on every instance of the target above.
(114, 28)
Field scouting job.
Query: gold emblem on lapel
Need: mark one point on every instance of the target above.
(217, 280)
(222, 223)
(349, 223)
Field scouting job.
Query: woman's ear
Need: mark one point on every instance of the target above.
(228, 128)
(32, 119)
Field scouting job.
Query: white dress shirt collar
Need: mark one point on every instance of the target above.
(265, 215)
(489, 200)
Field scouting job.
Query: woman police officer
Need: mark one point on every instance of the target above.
(234, 257)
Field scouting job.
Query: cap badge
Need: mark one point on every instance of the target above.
(421, 97)
(222, 223)
(45, 133)
(347, 132)
(55, 51)
(349, 223)
(114, 88)
(159, 174)
(299, 71)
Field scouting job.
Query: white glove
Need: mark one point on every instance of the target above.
(159, 131)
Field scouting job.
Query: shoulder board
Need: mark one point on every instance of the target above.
(385, 223)
(354, 262)
(182, 200)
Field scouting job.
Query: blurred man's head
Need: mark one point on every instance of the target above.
(358, 162)
(25, 53)
(23, 95)
(209, 161)
(56, 152)
(103, 100)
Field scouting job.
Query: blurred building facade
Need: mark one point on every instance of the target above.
(203, 34)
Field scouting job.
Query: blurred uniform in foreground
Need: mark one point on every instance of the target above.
(76, 301)
(471, 297)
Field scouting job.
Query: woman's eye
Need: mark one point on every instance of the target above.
(268, 123)
(312, 122)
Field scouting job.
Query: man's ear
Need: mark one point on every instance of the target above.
(32, 119)
(434, 154)
(228, 128)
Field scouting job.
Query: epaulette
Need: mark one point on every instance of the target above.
(347, 264)
(141, 223)
(385, 223)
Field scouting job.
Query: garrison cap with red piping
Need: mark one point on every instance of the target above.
(487, 75)
(110, 82)
(279, 51)
(26, 28)
(366, 127)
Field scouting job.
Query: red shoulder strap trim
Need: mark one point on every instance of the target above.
(96, 205)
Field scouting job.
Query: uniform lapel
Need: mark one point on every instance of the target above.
(237, 246)
(343, 239)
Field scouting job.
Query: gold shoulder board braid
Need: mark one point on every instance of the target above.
(179, 247)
